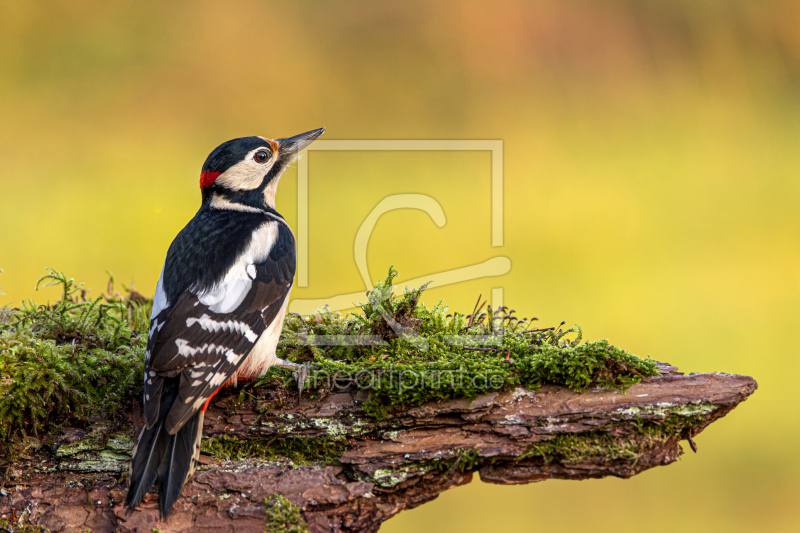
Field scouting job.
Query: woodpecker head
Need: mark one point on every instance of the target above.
(243, 173)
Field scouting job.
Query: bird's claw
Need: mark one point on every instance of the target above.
(300, 375)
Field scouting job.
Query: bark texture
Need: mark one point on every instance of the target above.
(386, 466)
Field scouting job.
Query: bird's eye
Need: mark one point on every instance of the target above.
(261, 156)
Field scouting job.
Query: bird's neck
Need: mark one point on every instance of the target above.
(225, 203)
(218, 201)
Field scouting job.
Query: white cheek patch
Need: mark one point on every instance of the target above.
(247, 174)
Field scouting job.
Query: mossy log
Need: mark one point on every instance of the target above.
(367, 469)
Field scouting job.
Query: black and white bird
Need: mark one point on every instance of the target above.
(219, 307)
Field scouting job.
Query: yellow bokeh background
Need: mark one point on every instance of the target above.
(652, 191)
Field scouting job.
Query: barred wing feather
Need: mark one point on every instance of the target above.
(205, 346)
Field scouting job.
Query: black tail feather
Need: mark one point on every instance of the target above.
(144, 464)
(180, 455)
(163, 457)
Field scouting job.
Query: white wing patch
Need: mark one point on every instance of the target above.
(233, 289)
(228, 295)
(209, 324)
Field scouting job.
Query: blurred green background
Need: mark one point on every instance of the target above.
(651, 165)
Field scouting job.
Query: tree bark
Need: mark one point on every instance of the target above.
(387, 466)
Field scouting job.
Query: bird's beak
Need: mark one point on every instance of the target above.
(298, 142)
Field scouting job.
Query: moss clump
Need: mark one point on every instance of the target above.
(640, 436)
(283, 516)
(71, 360)
(465, 460)
(299, 450)
(435, 355)
(575, 448)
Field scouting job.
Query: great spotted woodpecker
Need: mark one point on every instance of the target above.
(219, 307)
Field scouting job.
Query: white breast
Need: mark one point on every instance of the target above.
(262, 356)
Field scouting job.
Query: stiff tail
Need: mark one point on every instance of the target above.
(168, 459)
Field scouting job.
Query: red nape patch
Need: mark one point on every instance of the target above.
(207, 178)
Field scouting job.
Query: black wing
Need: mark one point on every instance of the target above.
(205, 347)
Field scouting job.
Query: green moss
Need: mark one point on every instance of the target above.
(22, 528)
(464, 460)
(636, 437)
(284, 517)
(575, 448)
(438, 355)
(300, 450)
(71, 360)
(79, 358)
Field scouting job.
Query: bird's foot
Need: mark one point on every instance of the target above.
(300, 373)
